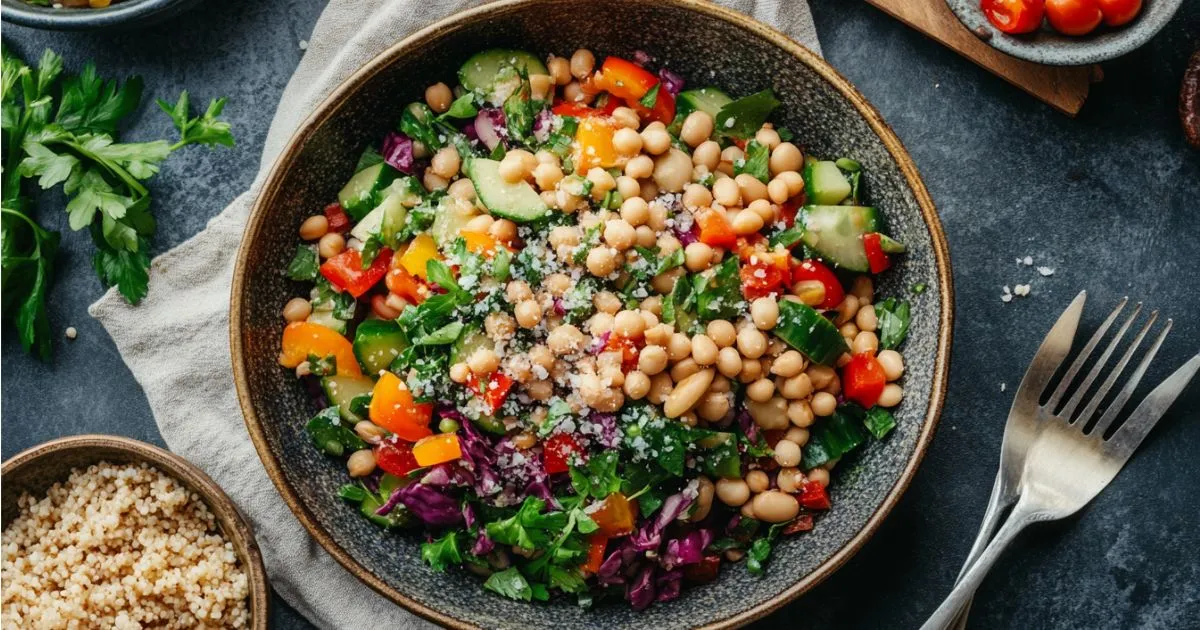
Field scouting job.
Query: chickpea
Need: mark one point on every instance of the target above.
(462, 189)
(600, 323)
(432, 181)
(652, 360)
(481, 223)
(757, 481)
(770, 415)
(659, 335)
(529, 313)
(697, 257)
(707, 154)
(697, 128)
(823, 404)
(679, 347)
(863, 289)
(777, 191)
(797, 435)
(800, 413)
(627, 141)
(369, 432)
(773, 506)
(722, 333)
(672, 170)
(459, 372)
(787, 453)
(361, 463)
(810, 292)
(751, 188)
(726, 192)
(846, 310)
(438, 97)
(730, 155)
(601, 261)
(890, 360)
(331, 245)
(751, 343)
(656, 140)
(645, 236)
(704, 350)
(297, 309)
(503, 230)
(547, 176)
(786, 157)
(797, 387)
(314, 227)
(628, 187)
(557, 283)
(619, 234)
(761, 390)
(517, 290)
(664, 282)
(729, 362)
(649, 318)
(629, 324)
(512, 168)
(582, 63)
(768, 137)
(752, 370)
(865, 319)
(713, 406)
(658, 215)
(483, 361)
(602, 182)
(891, 396)
(747, 511)
(499, 325)
(684, 368)
(660, 387)
(565, 339)
(637, 385)
(820, 476)
(788, 364)
(696, 196)
(732, 492)
(864, 342)
(704, 497)
(560, 70)
(746, 222)
(763, 209)
(541, 86)
(446, 162)
(640, 167)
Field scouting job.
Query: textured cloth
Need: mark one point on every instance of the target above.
(186, 314)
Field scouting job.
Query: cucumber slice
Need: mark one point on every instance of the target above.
(517, 202)
(398, 517)
(388, 217)
(450, 219)
(480, 72)
(470, 341)
(806, 330)
(376, 343)
(341, 390)
(709, 100)
(359, 194)
(835, 233)
(490, 424)
(825, 183)
(326, 319)
(891, 246)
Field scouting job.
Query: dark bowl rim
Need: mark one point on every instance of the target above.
(1087, 52)
(193, 478)
(22, 13)
(415, 41)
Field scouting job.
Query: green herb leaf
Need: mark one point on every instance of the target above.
(416, 122)
(879, 421)
(894, 319)
(787, 238)
(758, 553)
(509, 583)
(89, 103)
(203, 129)
(651, 98)
(719, 295)
(370, 250)
(353, 493)
(598, 478)
(305, 265)
(440, 274)
(330, 435)
(841, 433)
(445, 335)
(128, 270)
(745, 116)
(443, 552)
(670, 261)
(755, 162)
(322, 366)
(462, 107)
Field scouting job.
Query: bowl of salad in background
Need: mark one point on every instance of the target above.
(86, 15)
(1065, 32)
(334, 252)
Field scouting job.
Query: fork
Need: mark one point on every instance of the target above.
(1055, 460)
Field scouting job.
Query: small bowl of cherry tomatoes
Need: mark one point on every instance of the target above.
(1065, 32)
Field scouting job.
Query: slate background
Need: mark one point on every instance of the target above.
(1108, 200)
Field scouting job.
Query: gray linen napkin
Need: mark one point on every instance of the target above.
(187, 314)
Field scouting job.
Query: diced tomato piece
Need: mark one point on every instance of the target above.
(814, 497)
(764, 273)
(406, 285)
(816, 270)
(492, 390)
(345, 271)
(393, 408)
(788, 211)
(876, 257)
(304, 339)
(703, 572)
(629, 349)
(604, 106)
(863, 379)
(715, 229)
(614, 515)
(558, 451)
(338, 220)
(437, 449)
(395, 456)
(597, 544)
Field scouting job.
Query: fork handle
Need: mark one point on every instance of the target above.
(1001, 498)
(946, 614)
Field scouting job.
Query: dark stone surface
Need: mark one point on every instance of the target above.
(1106, 199)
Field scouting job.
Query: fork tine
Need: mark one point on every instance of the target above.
(1098, 367)
(1118, 403)
(1077, 364)
(1051, 353)
(1130, 435)
(1098, 397)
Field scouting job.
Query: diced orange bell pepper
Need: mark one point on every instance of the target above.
(597, 543)
(627, 80)
(437, 449)
(302, 339)
(393, 408)
(406, 285)
(715, 229)
(482, 243)
(420, 251)
(594, 144)
(614, 515)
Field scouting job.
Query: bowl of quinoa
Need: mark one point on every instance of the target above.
(105, 531)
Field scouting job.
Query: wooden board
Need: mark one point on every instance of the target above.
(1062, 87)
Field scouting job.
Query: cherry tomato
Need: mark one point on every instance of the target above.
(557, 452)
(815, 270)
(1117, 12)
(814, 497)
(339, 221)
(1014, 16)
(345, 271)
(863, 379)
(395, 456)
(1073, 17)
(877, 259)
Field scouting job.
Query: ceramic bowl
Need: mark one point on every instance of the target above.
(36, 469)
(119, 14)
(1050, 47)
(707, 45)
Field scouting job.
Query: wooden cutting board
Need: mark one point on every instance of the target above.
(1062, 87)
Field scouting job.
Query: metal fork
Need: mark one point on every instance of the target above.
(1055, 460)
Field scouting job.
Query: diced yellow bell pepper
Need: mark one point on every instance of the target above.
(420, 251)
(437, 449)
(481, 243)
(594, 145)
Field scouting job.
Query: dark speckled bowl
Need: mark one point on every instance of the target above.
(120, 14)
(1050, 47)
(707, 45)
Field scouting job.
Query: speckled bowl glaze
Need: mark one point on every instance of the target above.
(706, 44)
(119, 14)
(36, 469)
(1050, 47)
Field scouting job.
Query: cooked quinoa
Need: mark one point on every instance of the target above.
(120, 546)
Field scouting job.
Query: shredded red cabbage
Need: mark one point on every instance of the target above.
(641, 57)
(490, 127)
(541, 125)
(641, 591)
(468, 514)
(398, 152)
(649, 535)
(427, 504)
(669, 585)
(600, 343)
(610, 434)
(483, 545)
(671, 82)
(746, 422)
(688, 549)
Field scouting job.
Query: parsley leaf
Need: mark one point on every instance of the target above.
(462, 107)
(743, 118)
(894, 319)
(756, 162)
(598, 478)
(651, 98)
(127, 270)
(443, 552)
(719, 296)
(879, 421)
(331, 435)
(509, 583)
(203, 129)
(304, 265)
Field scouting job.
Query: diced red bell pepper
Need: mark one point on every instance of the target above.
(614, 515)
(802, 523)
(815, 270)
(773, 436)
(579, 110)
(393, 408)
(715, 229)
(814, 497)
(558, 451)
(437, 449)
(863, 379)
(406, 285)
(876, 257)
(338, 220)
(597, 544)
(345, 271)
(395, 456)
(629, 349)
(629, 81)
(788, 211)
(764, 273)
(703, 572)
(492, 390)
